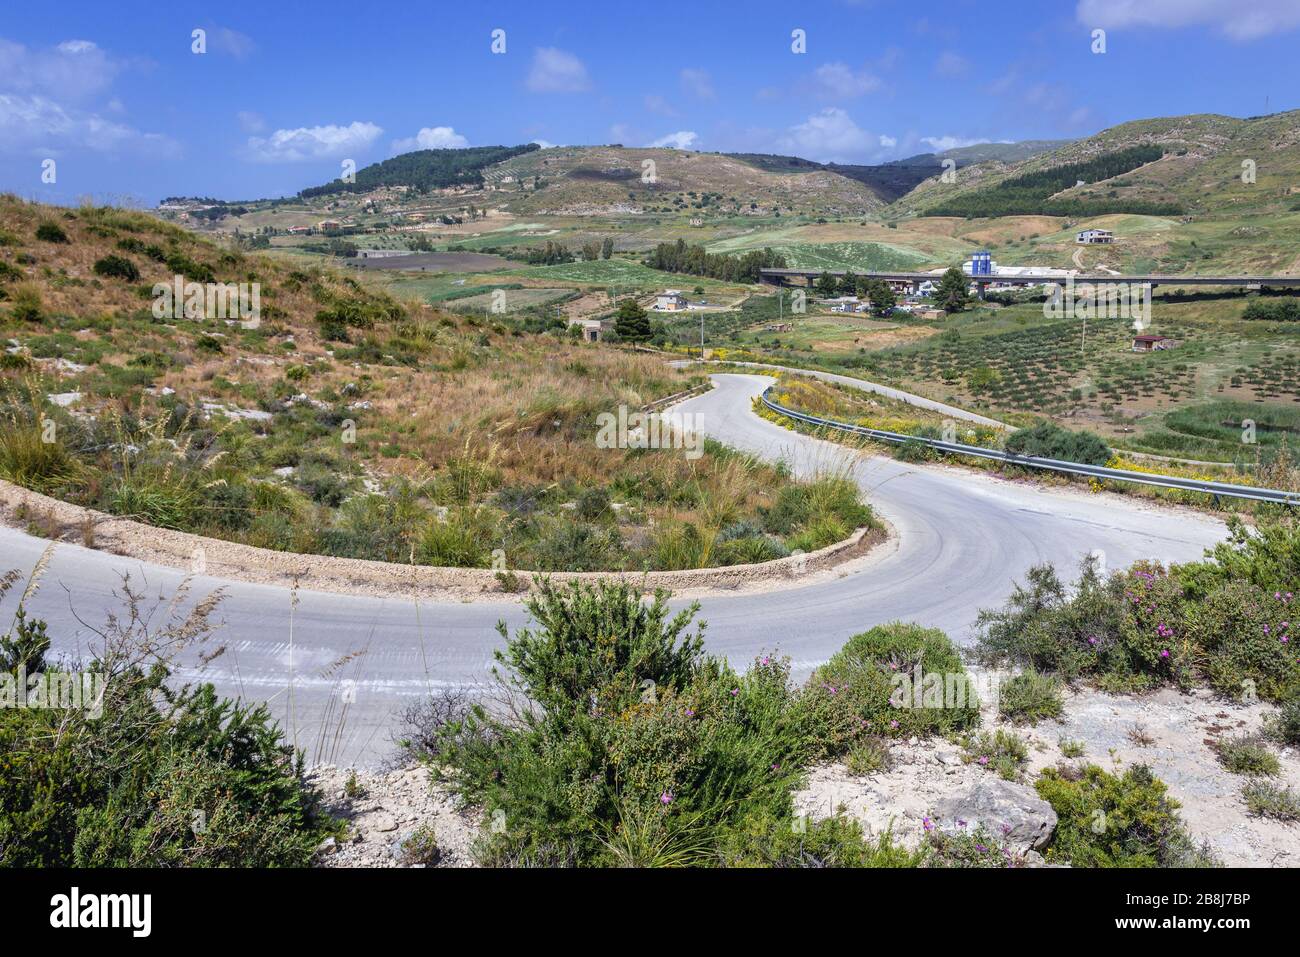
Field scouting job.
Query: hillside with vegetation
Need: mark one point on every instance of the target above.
(585, 179)
(348, 422)
(423, 170)
(1198, 171)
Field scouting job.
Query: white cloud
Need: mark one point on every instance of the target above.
(888, 142)
(941, 144)
(1241, 21)
(830, 135)
(308, 143)
(73, 70)
(698, 83)
(545, 144)
(555, 71)
(950, 64)
(431, 138)
(830, 81)
(46, 98)
(37, 124)
(681, 140)
(840, 81)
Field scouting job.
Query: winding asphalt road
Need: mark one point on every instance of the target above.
(963, 538)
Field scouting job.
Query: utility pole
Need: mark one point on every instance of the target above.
(701, 335)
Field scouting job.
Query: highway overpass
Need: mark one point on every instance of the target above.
(786, 277)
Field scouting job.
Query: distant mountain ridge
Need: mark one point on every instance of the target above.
(1206, 163)
(573, 177)
(425, 169)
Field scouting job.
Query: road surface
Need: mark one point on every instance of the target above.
(963, 539)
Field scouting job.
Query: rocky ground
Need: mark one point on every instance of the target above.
(1167, 730)
(386, 812)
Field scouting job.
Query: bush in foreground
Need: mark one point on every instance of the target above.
(1029, 697)
(895, 681)
(614, 740)
(619, 740)
(1225, 622)
(163, 778)
(1112, 820)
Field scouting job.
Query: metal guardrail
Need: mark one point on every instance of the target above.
(1055, 465)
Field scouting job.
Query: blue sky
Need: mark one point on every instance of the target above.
(286, 91)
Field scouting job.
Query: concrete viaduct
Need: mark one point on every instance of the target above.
(786, 277)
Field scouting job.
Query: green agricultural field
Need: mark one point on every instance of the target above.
(1224, 429)
(515, 299)
(858, 256)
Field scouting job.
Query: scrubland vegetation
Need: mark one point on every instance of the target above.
(1224, 622)
(350, 423)
(612, 738)
(163, 775)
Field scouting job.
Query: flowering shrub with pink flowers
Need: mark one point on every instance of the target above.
(895, 681)
(1226, 622)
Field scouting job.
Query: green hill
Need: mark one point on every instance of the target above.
(1198, 171)
(425, 169)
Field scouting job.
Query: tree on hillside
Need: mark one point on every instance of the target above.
(953, 293)
(631, 322)
(606, 248)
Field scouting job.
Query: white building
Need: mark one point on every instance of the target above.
(671, 300)
(1094, 237)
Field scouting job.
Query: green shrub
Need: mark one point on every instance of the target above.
(26, 459)
(766, 840)
(1048, 440)
(869, 756)
(1247, 755)
(633, 744)
(421, 847)
(26, 303)
(1072, 749)
(464, 540)
(966, 848)
(1029, 697)
(1273, 310)
(564, 545)
(593, 505)
(1002, 752)
(1266, 555)
(51, 233)
(896, 680)
(749, 551)
(1139, 628)
(1108, 820)
(117, 267)
(1284, 726)
(1265, 799)
(1243, 635)
(163, 778)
